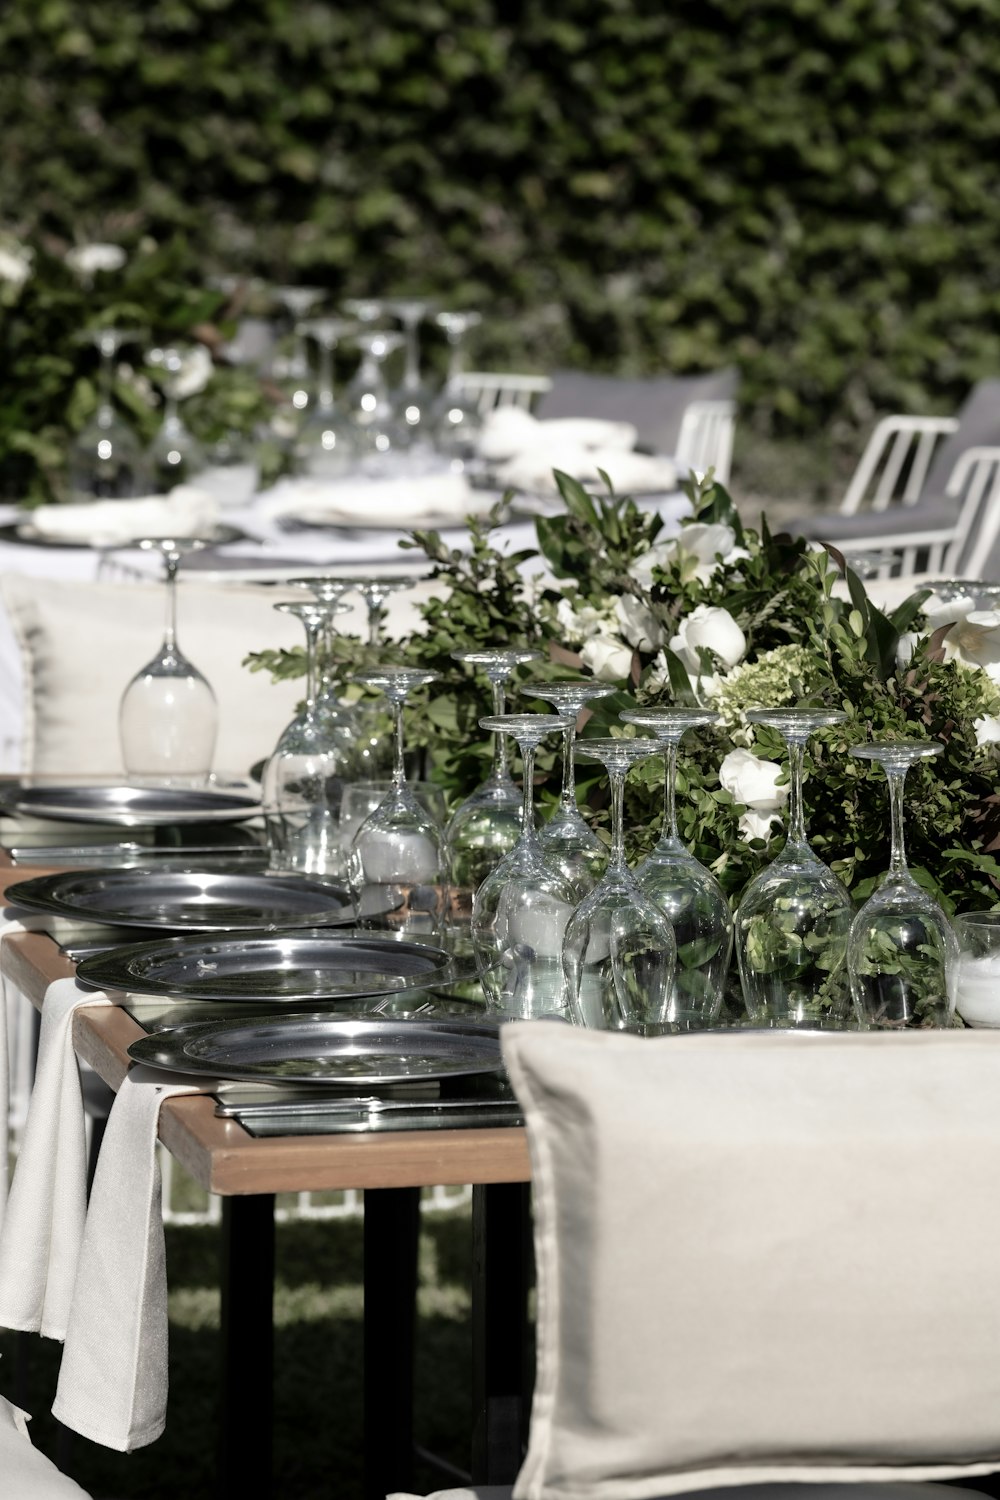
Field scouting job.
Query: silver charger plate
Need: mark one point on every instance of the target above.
(128, 806)
(27, 535)
(186, 900)
(297, 965)
(296, 1048)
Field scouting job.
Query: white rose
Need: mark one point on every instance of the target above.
(700, 549)
(975, 641)
(936, 612)
(905, 647)
(753, 781)
(987, 730)
(638, 624)
(608, 658)
(15, 264)
(756, 825)
(711, 628)
(87, 260)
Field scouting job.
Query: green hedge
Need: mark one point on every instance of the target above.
(809, 188)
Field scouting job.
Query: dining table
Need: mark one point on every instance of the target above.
(247, 1171)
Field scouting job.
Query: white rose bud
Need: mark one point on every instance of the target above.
(87, 260)
(711, 628)
(700, 548)
(756, 825)
(15, 265)
(987, 730)
(608, 658)
(638, 624)
(753, 781)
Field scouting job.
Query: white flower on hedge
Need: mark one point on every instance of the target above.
(754, 782)
(700, 549)
(708, 627)
(15, 264)
(937, 613)
(87, 260)
(975, 640)
(905, 647)
(638, 623)
(580, 624)
(195, 372)
(609, 658)
(987, 730)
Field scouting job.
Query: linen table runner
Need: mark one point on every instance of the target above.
(15, 1049)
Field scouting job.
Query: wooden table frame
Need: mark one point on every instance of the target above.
(248, 1172)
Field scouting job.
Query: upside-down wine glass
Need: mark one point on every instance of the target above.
(619, 951)
(455, 418)
(486, 825)
(902, 954)
(520, 911)
(303, 781)
(413, 398)
(168, 718)
(567, 835)
(689, 893)
(376, 592)
(326, 445)
(175, 453)
(106, 460)
(291, 369)
(793, 920)
(399, 847)
(377, 432)
(329, 592)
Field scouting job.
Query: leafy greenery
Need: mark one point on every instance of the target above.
(809, 193)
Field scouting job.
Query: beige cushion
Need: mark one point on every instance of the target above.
(744, 1492)
(26, 1474)
(81, 643)
(761, 1257)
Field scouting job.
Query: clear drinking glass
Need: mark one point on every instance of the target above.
(106, 459)
(619, 951)
(175, 455)
(400, 848)
(377, 432)
(303, 780)
(793, 920)
(567, 835)
(168, 718)
(487, 824)
(456, 419)
(689, 893)
(978, 985)
(902, 954)
(326, 444)
(413, 399)
(521, 909)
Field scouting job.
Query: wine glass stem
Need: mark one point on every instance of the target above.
(528, 772)
(670, 788)
(616, 775)
(896, 776)
(325, 396)
(312, 638)
(374, 621)
(796, 815)
(172, 562)
(568, 797)
(456, 363)
(106, 375)
(501, 762)
(398, 770)
(411, 376)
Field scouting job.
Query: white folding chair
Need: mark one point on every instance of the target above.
(894, 465)
(25, 1472)
(487, 390)
(764, 1259)
(705, 440)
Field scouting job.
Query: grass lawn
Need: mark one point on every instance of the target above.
(318, 1351)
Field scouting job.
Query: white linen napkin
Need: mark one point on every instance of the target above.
(412, 501)
(186, 511)
(43, 1226)
(16, 1012)
(638, 473)
(508, 431)
(113, 1377)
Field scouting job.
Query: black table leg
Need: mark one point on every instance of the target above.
(245, 1446)
(502, 1269)
(392, 1232)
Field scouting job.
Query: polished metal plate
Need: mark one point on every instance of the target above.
(128, 806)
(185, 900)
(324, 1049)
(307, 964)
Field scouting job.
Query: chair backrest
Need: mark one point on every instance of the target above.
(761, 1257)
(974, 552)
(487, 390)
(893, 468)
(655, 406)
(978, 426)
(705, 440)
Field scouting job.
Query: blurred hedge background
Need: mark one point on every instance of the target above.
(807, 188)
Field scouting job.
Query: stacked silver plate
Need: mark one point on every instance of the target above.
(127, 806)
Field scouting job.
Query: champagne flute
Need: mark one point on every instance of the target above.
(689, 893)
(168, 718)
(619, 950)
(902, 954)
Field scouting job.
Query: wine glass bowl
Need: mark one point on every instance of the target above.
(567, 835)
(106, 460)
(168, 717)
(326, 445)
(678, 883)
(619, 950)
(792, 923)
(902, 954)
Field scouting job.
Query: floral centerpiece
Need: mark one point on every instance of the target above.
(737, 618)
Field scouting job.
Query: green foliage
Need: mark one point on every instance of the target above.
(810, 193)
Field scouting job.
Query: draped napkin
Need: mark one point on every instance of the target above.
(113, 1378)
(186, 511)
(43, 1226)
(635, 473)
(16, 1012)
(431, 499)
(508, 431)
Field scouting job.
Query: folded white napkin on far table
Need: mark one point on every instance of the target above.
(113, 1377)
(508, 431)
(423, 499)
(186, 511)
(43, 1226)
(630, 473)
